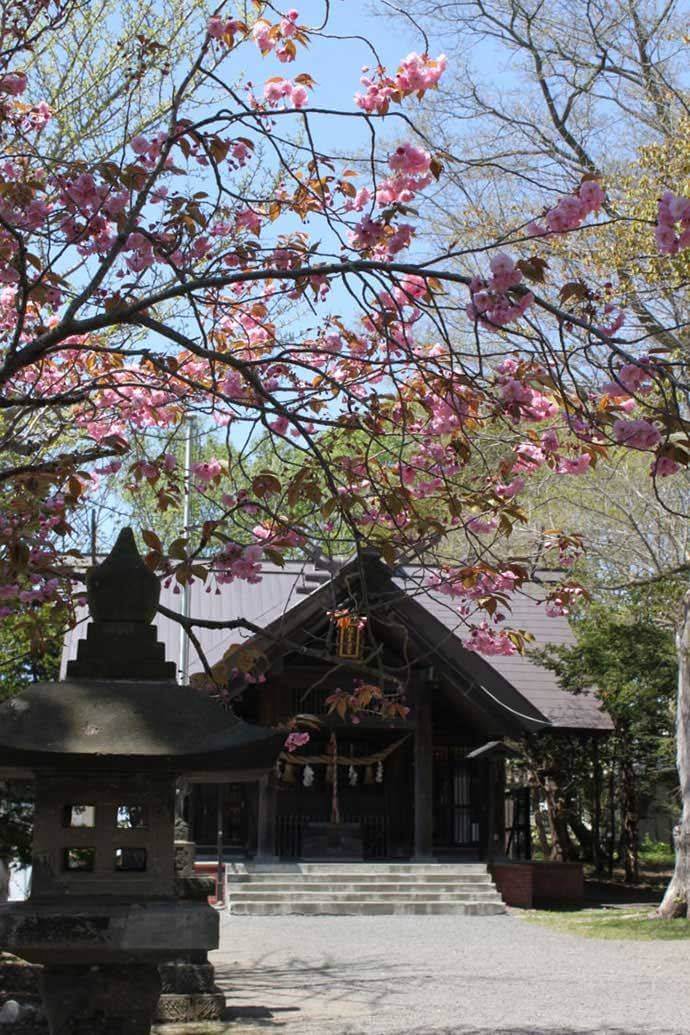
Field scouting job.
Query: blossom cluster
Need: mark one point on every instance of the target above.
(571, 211)
(416, 74)
(491, 304)
(672, 231)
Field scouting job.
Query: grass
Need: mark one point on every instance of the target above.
(622, 924)
(656, 855)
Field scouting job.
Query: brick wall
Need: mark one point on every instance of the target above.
(515, 883)
(558, 883)
(533, 884)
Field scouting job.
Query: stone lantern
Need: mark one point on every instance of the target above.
(105, 748)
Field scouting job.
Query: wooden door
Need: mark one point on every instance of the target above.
(457, 799)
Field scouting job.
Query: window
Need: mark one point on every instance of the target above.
(79, 816)
(130, 860)
(131, 817)
(79, 860)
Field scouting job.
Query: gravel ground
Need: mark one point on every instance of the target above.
(446, 976)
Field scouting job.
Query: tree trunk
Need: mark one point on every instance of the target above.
(582, 833)
(562, 847)
(540, 825)
(630, 840)
(675, 901)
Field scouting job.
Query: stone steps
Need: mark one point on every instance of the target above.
(365, 907)
(361, 889)
(247, 887)
(331, 870)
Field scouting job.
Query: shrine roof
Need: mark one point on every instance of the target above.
(289, 596)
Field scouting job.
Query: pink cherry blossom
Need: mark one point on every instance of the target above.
(13, 83)
(249, 220)
(507, 492)
(481, 525)
(410, 159)
(300, 96)
(673, 209)
(664, 466)
(216, 27)
(261, 36)
(485, 640)
(206, 471)
(419, 72)
(636, 434)
(296, 740)
(579, 465)
(276, 90)
(591, 195)
(288, 24)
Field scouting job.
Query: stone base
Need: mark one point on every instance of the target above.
(201, 1006)
(203, 1028)
(100, 1000)
(21, 1008)
(189, 993)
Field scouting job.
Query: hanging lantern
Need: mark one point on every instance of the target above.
(350, 633)
(352, 776)
(308, 776)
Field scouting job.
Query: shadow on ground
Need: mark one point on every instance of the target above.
(460, 1030)
(329, 998)
(263, 1018)
(605, 892)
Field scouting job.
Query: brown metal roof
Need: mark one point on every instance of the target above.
(539, 685)
(286, 596)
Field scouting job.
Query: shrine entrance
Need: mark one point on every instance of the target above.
(457, 800)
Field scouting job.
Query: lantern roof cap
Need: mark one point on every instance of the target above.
(108, 720)
(120, 705)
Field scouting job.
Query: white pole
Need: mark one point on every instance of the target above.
(183, 665)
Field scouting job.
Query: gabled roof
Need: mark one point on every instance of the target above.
(539, 685)
(288, 599)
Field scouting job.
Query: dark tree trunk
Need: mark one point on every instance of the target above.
(540, 825)
(630, 840)
(562, 847)
(675, 901)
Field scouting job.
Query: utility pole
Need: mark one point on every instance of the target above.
(183, 664)
(94, 536)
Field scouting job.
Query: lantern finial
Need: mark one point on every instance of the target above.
(123, 588)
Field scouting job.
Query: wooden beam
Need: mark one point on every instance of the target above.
(423, 774)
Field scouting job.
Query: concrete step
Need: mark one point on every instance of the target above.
(365, 907)
(351, 864)
(359, 887)
(359, 880)
(337, 895)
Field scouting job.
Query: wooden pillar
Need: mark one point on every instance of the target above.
(596, 818)
(220, 865)
(266, 823)
(491, 807)
(423, 775)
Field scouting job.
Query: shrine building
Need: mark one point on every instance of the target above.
(427, 786)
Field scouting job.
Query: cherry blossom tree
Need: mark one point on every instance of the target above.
(225, 263)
